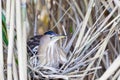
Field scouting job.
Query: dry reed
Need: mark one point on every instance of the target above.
(92, 42)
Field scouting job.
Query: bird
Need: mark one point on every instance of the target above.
(50, 54)
(33, 44)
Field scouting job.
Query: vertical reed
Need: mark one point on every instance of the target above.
(8, 7)
(1, 46)
(24, 37)
(11, 43)
(21, 41)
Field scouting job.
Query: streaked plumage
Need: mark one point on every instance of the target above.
(33, 44)
(50, 54)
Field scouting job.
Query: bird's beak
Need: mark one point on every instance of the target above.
(59, 37)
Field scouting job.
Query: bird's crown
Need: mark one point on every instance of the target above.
(50, 33)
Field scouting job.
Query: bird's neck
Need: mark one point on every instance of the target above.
(43, 49)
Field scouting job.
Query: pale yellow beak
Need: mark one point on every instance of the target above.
(58, 37)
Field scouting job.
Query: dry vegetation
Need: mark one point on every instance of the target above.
(92, 43)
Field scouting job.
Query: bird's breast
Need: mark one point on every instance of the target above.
(51, 56)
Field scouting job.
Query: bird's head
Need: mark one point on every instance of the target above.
(50, 37)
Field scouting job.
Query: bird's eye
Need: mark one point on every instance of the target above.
(51, 37)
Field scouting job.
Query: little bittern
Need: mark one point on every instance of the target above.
(50, 54)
